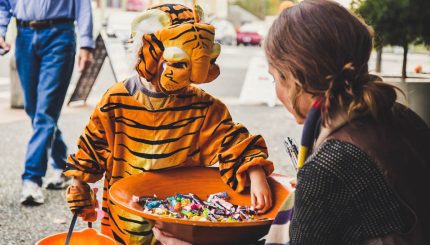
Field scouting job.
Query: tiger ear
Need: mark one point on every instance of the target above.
(198, 12)
(150, 21)
(216, 50)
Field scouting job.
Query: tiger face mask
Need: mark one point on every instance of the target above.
(171, 35)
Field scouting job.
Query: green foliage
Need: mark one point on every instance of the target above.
(397, 22)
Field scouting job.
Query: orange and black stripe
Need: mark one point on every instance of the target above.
(126, 135)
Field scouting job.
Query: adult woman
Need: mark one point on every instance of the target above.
(367, 176)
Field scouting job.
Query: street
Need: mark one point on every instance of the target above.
(318, 37)
(26, 225)
(4, 78)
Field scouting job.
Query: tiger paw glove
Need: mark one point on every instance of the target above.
(82, 199)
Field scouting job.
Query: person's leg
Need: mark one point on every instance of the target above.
(28, 65)
(59, 147)
(57, 179)
(57, 52)
(58, 151)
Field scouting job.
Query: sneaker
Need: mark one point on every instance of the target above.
(58, 180)
(31, 193)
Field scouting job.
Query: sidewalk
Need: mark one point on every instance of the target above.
(26, 225)
(9, 115)
(4, 82)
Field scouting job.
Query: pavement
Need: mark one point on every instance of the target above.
(26, 225)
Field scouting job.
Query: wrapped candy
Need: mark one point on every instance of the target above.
(223, 195)
(153, 204)
(215, 209)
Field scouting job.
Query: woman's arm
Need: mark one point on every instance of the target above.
(166, 238)
(320, 198)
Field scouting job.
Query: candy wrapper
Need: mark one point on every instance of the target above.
(216, 208)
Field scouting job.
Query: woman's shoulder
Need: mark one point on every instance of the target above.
(359, 186)
(335, 155)
(348, 163)
(336, 166)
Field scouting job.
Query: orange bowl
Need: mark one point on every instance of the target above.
(85, 236)
(202, 182)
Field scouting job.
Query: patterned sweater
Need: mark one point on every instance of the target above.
(342, 198)
(134, 130)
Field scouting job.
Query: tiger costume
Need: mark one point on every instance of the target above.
(187, 47)
(134, 129)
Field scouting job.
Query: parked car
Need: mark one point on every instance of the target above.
(248, 38)
(224, 32)
(249, 34)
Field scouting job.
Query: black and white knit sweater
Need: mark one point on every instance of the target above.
(342, 198)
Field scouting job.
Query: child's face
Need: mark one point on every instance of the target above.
(162, 64)
(297, 102)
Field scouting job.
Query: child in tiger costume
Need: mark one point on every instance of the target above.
(158, 120)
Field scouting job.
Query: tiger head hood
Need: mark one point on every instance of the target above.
(173, 34)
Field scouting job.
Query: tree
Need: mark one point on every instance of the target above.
(397, 22)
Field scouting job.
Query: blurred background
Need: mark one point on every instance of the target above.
(400, 56)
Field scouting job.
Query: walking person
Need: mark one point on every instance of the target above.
(45, 56)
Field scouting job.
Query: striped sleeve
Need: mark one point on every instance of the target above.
(279, 230)
(89, 162)
(232, 146)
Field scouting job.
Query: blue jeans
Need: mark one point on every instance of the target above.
(45, 60)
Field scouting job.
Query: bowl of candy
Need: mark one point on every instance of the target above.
(196, 206)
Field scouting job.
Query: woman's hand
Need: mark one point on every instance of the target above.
(293, 182)
(261, 195)
(167, 238)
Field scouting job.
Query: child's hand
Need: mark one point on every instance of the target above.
(261, 195)
(81, 198)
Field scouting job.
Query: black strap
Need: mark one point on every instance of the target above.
(40, 24)
(72, 226)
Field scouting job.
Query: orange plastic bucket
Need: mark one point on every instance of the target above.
(85, 236)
